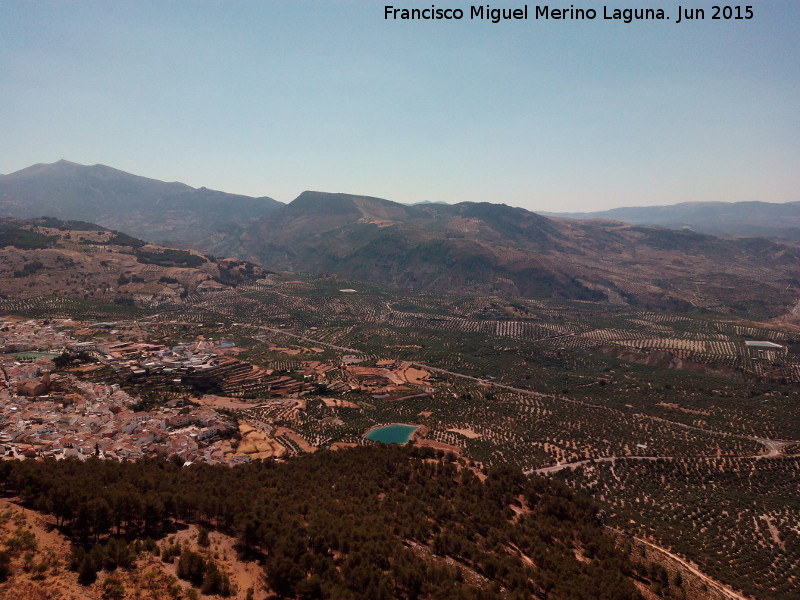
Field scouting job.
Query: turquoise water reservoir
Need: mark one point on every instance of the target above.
(392, 434)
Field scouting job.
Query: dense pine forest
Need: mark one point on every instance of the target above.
(371, 522)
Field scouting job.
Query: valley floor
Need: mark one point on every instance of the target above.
(650, 413)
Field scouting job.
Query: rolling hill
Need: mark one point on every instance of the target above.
(159, 212)
(81, 260)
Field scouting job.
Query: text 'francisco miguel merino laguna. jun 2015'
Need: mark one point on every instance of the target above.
(543, 12)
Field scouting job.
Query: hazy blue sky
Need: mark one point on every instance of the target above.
(276, 97)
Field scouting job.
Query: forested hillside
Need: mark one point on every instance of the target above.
(371, 523)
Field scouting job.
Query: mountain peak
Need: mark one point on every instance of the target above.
(316, 196)
(148, 208)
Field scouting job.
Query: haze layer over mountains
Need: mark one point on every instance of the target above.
(766, 219)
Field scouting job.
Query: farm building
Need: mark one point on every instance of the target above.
(763, 349)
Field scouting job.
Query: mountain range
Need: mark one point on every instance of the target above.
(764, 219)
(467, 247)
(496, 249)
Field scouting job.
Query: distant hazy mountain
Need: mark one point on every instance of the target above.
(765, 219)
(153, 210)
(494, 248)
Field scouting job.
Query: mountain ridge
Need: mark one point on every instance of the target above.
(494, 248)
(158, 211)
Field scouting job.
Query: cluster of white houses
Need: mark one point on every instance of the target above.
(44, 414)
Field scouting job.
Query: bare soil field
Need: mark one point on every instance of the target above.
(342, 445)
(438, 446)
(413, 374)
(467, 433)
(338, 403)
(375, 372)
(222, 402)
(257, 444)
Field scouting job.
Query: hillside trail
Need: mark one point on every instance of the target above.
(720, 587)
